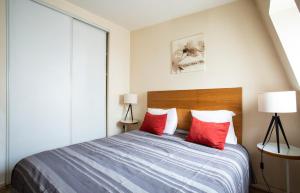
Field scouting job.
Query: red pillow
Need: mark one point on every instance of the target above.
(208, 133)
(154, 123)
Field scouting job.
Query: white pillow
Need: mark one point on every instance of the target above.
(172, 120)
(219, 116)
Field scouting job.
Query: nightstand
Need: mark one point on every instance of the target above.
(285, 153)
(128, 123)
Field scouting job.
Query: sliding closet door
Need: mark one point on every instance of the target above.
(39, 79)
(88, 83)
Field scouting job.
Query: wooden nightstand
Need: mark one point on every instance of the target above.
(128, 123)
(293, 153)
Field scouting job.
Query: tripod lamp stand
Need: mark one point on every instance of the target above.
(130, 99)
(277, 102)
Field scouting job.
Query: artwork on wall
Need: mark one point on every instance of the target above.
(188, 54)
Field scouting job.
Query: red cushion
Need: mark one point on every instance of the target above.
(208, 133)
(154, 123)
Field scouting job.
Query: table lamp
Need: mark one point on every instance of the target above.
(130, 99)
(277, 102)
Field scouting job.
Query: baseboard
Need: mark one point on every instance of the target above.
(264, 188)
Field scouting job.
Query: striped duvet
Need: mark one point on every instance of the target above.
(134, 162)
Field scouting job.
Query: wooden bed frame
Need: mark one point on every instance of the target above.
(200, 99)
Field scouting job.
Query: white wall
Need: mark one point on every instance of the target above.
(239, 52)
(118, 67)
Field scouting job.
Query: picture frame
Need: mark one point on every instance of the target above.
(188, 54)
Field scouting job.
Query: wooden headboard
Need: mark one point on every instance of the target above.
(200, 99)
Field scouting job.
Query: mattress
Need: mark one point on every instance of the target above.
(135, 161)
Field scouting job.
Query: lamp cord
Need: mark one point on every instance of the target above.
(262, 163)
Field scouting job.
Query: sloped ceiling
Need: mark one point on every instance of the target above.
(263, 7)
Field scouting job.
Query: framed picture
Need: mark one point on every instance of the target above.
(188, 54)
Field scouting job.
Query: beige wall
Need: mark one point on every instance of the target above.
(2, 92)
(118, 67)
(298, 4)
(239, 52)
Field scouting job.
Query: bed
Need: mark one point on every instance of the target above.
(140, 162)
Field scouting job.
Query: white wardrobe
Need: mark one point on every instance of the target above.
(56, 80)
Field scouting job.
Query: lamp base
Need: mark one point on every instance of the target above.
(129, 108)
(276, 122)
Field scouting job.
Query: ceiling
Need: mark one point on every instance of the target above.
(136, 14)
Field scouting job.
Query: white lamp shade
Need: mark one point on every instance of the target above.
(130, 98)
(277, 102)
